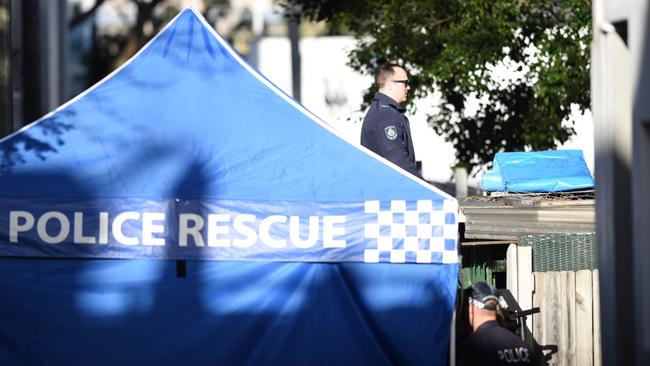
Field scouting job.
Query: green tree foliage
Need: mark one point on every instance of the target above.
(457, 47)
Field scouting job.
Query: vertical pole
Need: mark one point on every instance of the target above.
(44, 48)
(639, 47)
(6, 91)
(612, 107)
(294, 39)
(512, 271)
(452, 339)
(460, 176)
(32, 58)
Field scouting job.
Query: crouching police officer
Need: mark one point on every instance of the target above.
(491, 344)
(386, 130)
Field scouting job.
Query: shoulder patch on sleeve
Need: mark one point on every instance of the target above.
(390, 132)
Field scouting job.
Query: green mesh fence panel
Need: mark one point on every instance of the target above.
(562, 252)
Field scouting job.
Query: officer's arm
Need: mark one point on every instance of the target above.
(393, 146)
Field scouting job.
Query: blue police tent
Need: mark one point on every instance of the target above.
(299, 248)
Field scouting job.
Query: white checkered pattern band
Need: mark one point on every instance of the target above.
(420, 231)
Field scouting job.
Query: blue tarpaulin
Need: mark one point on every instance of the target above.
(301, 248)
(538, 171)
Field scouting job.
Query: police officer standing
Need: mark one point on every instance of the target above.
(386, 130)
(491, 344)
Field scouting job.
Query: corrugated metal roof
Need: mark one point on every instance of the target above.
(510, 217)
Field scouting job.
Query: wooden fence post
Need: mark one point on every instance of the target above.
(598, 358)
(525, 280)
(569, 316)
(584, 318)
(539, 297)
(511, 271)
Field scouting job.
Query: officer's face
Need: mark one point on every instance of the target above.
(399, 85)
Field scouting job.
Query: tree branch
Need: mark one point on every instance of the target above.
(441, 21)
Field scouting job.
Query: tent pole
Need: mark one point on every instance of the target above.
(452, 340)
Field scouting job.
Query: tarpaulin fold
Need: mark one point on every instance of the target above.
(538, 171)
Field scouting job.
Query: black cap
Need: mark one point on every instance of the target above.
(484, 296)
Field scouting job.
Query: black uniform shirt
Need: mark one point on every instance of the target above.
(386, 131)
(492, 344)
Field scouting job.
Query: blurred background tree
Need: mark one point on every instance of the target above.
(136, 22)
(524, 63)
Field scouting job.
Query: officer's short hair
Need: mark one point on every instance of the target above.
(385, 72)
(484, 296)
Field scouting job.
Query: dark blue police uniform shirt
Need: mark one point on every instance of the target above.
(386, 131)
(491, 344)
